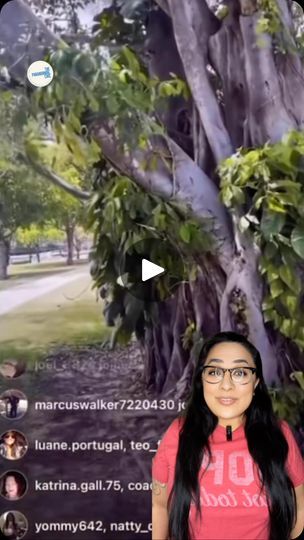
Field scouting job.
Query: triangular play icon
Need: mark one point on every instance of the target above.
(149, 270)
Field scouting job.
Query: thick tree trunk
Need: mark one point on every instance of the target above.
(4, 258)
(37, 251)
(77, 245)
(70, 229)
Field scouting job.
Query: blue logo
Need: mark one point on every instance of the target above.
(46, 73)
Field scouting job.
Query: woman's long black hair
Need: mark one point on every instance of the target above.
(266, 443)
(10, 521)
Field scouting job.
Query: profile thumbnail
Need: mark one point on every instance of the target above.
(13, 525)
(11, 368)
(13, 445)
(13, 404)
(13, 485)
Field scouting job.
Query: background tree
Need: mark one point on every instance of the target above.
(22, 197)
(34, 236)
(66, 211)
(220, 131)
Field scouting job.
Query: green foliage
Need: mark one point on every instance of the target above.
(61, 16)
(20, 203)
(122, 215)
(266, 186)
(35, 235)
(270, 21)
(287, 401)
(22, 194)
(189, 336)
(222, 11)
(88, 89)
(112, 28)
(30, 204)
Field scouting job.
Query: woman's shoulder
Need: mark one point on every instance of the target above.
(173, 430)
(286, 429)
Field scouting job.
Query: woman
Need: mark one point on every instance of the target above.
(228, 468)
(13, 486)
(12, 445)
(10, 529)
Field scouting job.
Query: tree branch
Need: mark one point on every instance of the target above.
(196, 189)
(166, 169)
(58, 181)
(193, 24)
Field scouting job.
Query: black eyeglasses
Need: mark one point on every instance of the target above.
(240, 375)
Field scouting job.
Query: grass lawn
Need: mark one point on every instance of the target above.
(68, 315)
(19, 273)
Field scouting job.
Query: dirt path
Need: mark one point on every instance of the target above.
(18, 295)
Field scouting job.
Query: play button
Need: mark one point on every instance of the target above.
(150, 270)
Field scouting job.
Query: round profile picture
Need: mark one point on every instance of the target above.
(13, 445)
(297, 9)
(13, 525)
(13, 404)
(11, 368)
(13, 485)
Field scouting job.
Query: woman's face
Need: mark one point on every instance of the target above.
(229, 355)
(9, 439)
(11, 487)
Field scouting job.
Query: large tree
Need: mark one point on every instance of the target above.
(230, 148)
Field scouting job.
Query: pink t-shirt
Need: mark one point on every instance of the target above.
(229, 490)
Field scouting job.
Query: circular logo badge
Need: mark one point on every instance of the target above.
(40, 73)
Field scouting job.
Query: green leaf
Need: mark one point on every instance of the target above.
(297, 240)
(272, 223)
(252, 219)
(132, 60)
(288, 255)
(59, 92)
(112, 105)
(270, 250)
(275, 205)
(289, 277)
(286, 327)
(268, 315)
(238, 195)
(185, 233)
(166, 89)
(291, 302)
(74, 121)
(276, 288)
(244, 224)
(298, 375)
